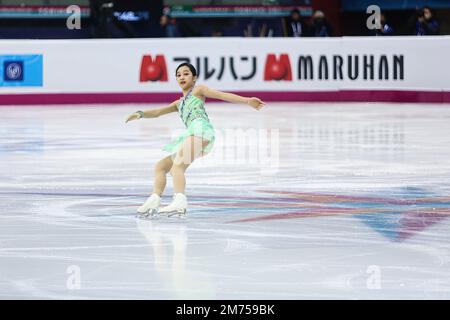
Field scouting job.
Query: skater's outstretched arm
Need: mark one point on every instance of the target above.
(229, 97)
(153, 113)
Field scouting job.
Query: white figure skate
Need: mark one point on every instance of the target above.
(150, 207)
(177, 207)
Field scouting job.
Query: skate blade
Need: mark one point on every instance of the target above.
(151, 214)
(176, 213)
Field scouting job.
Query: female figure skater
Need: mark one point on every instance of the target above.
(196, 141)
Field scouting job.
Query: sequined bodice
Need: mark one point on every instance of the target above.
(190, 108)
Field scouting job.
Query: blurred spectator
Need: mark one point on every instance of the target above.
(426, 25)
(169, 26)
(320, 27)
(296, 26)
(385, 30)
(190, 27)
(100, 16)
(262, 28)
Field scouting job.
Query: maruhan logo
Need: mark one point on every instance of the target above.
(153, 69)
(277, 68)
(351, 67)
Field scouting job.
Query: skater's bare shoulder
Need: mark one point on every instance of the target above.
(199, 91)
(203, 92)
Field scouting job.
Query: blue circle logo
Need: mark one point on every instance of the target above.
(14, 71)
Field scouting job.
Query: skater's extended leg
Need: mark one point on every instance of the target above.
(151, 205)
(161, 169)
(191, 149)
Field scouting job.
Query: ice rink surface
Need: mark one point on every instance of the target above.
(344, 201)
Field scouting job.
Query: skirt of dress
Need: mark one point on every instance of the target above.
(199, 128)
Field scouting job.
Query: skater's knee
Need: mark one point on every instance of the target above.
(174, 170)
(177, 168)
(161, 168)
(163, 165)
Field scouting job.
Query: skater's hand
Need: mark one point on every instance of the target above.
(133, 116)
(255, 103)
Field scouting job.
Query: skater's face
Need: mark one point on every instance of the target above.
(185, 78)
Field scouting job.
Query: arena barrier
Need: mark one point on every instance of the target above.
(372, 69)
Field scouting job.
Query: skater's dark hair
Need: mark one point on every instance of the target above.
(190, 66)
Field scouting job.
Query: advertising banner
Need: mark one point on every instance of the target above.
(130, 70)
(21, 71)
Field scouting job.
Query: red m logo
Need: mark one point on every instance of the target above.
(277, 69)
(153, 69)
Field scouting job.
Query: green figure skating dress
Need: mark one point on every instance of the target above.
(192, 112)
